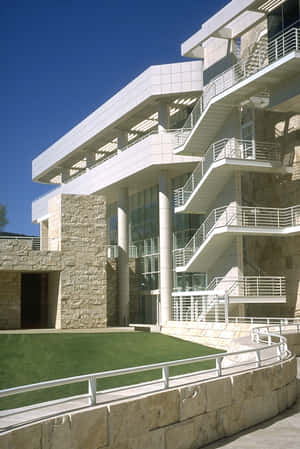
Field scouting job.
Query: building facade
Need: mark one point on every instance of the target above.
(191, 173)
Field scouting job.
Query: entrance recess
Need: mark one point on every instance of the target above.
(34, 300)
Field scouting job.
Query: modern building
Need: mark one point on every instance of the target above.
(179, 199)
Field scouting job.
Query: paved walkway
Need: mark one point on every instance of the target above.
(281, 432)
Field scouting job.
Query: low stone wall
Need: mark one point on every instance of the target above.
(218, 335)
(181, 418)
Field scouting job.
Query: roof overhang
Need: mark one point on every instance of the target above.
(230, 22)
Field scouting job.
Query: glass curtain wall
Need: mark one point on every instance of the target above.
(144, 237)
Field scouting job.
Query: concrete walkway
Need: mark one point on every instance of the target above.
(281, 432)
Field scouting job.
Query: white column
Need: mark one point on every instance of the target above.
(122, 140)
(163, 117)
(123, 267)
(165, 245)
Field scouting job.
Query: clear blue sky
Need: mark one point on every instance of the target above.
(60, 60)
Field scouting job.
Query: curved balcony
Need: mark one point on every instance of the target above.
(224, 223)
(270, 65)
(220, 161)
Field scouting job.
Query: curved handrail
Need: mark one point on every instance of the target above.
(238, 216)
(259, 335)
(280, 46)
(230, 148)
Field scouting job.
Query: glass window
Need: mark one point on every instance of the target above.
(275, 22)
(290, 12)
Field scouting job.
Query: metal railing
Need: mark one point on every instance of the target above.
(226, 363)
(112, 251)
(211, 304)
(199, 306)
(237, 216)
(268, 53)
(226, 149)
(33, 242)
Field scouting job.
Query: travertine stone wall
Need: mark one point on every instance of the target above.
(83, 282)
(217, 335)
(183, 418)
(278, 256)
(10, 300)
(77, 297)
(17, 256)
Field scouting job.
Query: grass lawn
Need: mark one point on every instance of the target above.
(30, 358)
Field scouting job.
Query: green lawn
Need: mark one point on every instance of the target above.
(30, 358)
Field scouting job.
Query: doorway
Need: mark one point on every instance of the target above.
(34, 300)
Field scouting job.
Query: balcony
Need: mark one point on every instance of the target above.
(224, 223)
(212, 304)
(221, 160)
(271, 63)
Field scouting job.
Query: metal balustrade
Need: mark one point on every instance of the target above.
(226, 149)
(268, 53)
(238, 216)
(199, 306)
(212, 303)
(112, 251)
(226, 363)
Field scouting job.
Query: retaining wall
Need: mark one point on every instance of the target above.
(188, 417)
(218, 335)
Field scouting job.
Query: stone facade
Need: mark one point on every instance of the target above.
(75, 263)
(83, 281)
(277, 256)
(186, 417)
(10, 299)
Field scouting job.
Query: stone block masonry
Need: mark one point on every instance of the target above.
(75, 261)
(186, 417)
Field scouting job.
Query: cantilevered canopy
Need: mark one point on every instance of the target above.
(230, 22)
(133, 110)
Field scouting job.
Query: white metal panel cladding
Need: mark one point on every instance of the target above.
(155, 81)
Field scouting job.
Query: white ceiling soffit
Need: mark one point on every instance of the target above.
(229, 22)
(269, 5)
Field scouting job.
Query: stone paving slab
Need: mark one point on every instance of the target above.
(282, 432)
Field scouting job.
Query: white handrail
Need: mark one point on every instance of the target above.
(238, 216)
(272, 51)
(226, 149)
(282, 353)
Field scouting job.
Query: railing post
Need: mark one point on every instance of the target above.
(219, 366)
(258, 359)
(269, 340)
(216, 310)
(226, 299)
(165, 376)
(92, 391)
(180, 308)
(278, 350)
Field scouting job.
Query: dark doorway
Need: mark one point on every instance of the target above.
(34, 300)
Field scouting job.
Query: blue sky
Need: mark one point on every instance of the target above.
(60, 60)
